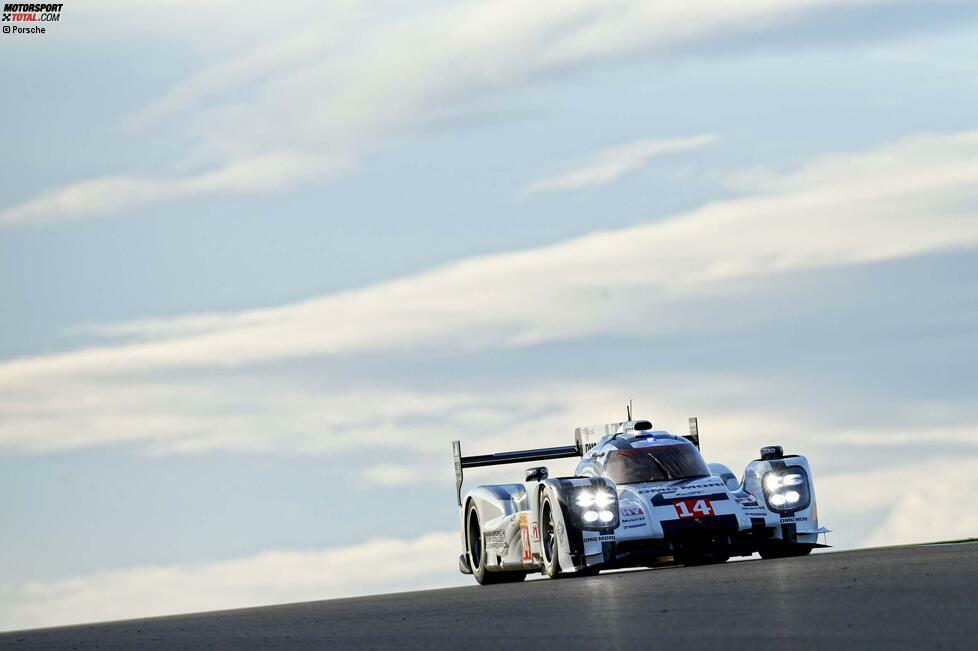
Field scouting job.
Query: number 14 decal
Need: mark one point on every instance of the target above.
(694, 508)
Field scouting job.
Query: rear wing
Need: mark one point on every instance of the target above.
(499, 458)
(694, 432)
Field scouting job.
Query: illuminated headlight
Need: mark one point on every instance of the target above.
(596, 507)
(774, 482)
(598, 498)
(787, 489)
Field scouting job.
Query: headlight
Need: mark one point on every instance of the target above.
(597, 507)
(786, 489)
(598, 498)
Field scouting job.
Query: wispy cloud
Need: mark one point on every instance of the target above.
(868, 510)
(910, 198)
(263, 173)
(272, 577)
(609, 165)
(399, 474)
(350, 77)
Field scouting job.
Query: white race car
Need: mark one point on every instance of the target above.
(639, 497)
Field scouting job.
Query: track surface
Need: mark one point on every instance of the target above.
(901, 597)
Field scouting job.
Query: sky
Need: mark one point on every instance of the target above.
(258, 271)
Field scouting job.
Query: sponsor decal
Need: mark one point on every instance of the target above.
(525, 539)
(749, 503)
(694, 508)
(635, 526)
(678, 491)
(790, 520)
(496, 540)
(640, 519)
(609, 537)
(629, 511)
(535, 532)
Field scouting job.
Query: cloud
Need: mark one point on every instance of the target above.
(255, 413)
(272, 577)
(269, 412)
(398, 474)
(898, 504)
(910, 198)
(190, 384)
(609, 165)
(350, 77)
(263, 173)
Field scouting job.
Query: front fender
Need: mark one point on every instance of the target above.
(797, 525)
(581, 545)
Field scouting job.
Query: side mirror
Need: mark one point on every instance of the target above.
(536, 474)
(769, 452)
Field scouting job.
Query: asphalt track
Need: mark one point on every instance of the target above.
(923, 597)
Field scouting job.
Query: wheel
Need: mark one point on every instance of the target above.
(475, 545)
(786, 551)
(549, 541)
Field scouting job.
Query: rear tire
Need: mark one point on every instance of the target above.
(475, 547)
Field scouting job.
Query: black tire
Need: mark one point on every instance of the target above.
(475, 547)
(549, 541)
(785, 551)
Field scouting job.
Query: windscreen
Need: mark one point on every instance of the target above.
(658, 463)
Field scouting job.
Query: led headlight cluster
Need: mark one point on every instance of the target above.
(786, 489)
(596, 506)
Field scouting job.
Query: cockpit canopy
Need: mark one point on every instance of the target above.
(645, 463)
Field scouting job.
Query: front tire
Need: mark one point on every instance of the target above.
(549, 540)
(475, 547)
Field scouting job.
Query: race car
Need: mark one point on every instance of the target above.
(639, 497)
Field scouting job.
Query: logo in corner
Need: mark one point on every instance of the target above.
(30, 12)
